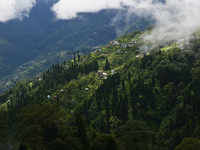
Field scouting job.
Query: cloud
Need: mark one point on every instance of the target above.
(67, 9)
(12, 9)
(174, 18)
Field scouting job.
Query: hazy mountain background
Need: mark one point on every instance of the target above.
(41, 37)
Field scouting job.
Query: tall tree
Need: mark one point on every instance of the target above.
(43, 126)
(81, 132)
(74, 58)
(153, 81)
(78, 56)
(135, 136)
(107, 65)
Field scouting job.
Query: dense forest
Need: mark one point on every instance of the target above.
(114, 98)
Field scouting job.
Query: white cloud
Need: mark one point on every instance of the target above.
(67, 9)
(183, 15)
(11, 9)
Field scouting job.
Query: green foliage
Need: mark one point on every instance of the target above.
(134, 135)
(81, 132)
(104, 142)
(189, 144)
(160, 91)
(44, 126)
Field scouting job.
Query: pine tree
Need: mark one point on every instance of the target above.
(118, 78)
(106, 103)
(102, 125)
(129, 75)
(98, 101)
(78, 57)
(74, 58)
(153, 81)
(123, 85)
(107, 65)
(81, 132)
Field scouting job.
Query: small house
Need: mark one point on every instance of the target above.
(124, 45)
(48, 96)
(101, 76)
(138, 56)
(8, 101)
(125, 52)
(130, 44)
(100, 72)
(40, 79)
(112, 72)
(104, 74)
(86, 89)
(119, 50)
(66, 66)
(72, 111)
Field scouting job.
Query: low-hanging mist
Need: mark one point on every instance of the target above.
(174, 19)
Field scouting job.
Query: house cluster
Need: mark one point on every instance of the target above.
(127, 52)
(182, 41)
(102, 74)
(123, 45)
(66, 66)
(140, 56)
(98, 50)
(103, 54)
(115, 43)
(130, 44)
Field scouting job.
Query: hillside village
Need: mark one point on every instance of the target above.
(115, 91)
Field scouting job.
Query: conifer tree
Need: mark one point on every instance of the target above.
(107, 65)
(74, 58)
(123, 85)
(78, 57)
(153, 81)
(106, 103)
(98, 101)
(118, 78)
(81, 132)
(129, 75)
(102, 124)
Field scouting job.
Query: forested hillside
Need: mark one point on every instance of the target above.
(115, 97)
(41, 37)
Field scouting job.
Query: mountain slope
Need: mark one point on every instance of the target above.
(41, 36)
(159, 88)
